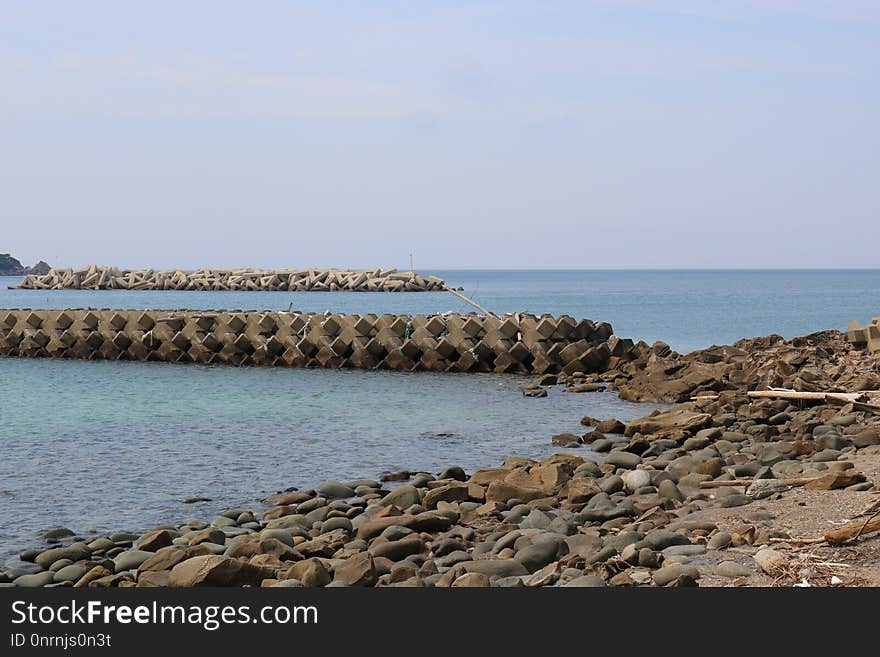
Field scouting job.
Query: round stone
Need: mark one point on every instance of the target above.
(335, 489)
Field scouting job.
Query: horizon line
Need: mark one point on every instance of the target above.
(544, 269)
(650, 269)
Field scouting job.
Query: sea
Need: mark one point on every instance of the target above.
(104, 446)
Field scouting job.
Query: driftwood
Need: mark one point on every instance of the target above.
(829, 481)
(867, 408)
(859, 400)
(845, 533)
(802, 481)
(784, 393)
(853, 530)
(871, 508)
(798, 541)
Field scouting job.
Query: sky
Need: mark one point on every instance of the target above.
(497, 134)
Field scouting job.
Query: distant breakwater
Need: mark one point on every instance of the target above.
(521, 343)
(94, 277)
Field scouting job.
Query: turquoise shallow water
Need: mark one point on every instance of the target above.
(100, 446)
(110, 445)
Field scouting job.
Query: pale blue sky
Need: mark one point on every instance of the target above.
(628, 133)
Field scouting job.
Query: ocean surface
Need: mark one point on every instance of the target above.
(98, 446)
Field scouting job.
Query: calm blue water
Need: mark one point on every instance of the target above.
(687, 309)
(113, 445)
(98, 446)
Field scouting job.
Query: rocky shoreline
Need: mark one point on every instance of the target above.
(720, 489)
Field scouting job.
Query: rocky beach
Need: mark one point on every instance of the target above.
(720, 489)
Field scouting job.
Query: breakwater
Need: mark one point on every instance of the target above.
(448, 342)
(94, 277)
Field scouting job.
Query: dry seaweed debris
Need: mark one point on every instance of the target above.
(806, 570)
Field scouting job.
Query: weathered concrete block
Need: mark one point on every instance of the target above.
(445, 348)
(118, 320)
(363, 359)
(63, 320)
(565, 326)
(573, 351)
(546, 327)
(411, 350)
(376, 348)
(122, 341)
(94, 340)
(34, 320)
(604, 331)
(328, 358)
(293, 357)
(332, 325)
(145, 321)
(396, 360)
(340, 346)
(585, 330)
(235, 323)
(90, 320)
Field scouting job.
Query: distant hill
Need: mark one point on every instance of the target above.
(10, 266)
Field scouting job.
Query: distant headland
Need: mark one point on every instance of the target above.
(10, 266)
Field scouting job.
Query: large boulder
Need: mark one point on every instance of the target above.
(357, 570)
(403, 497)
(659, 385)
(155, 541)
(400, 549)
(487, 476)
(581, 489)
(130, 559)
(502, 491)
(74, 552)
(493, 567)
(454, 492)
(550, 476)
(668, 423)
(216, 570)
(310, 572)
(167, 558)
(429, 521)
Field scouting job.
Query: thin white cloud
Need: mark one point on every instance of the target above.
(858, 11)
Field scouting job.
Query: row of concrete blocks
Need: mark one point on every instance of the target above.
(299, 280)
(449, 342)
(866, 337)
